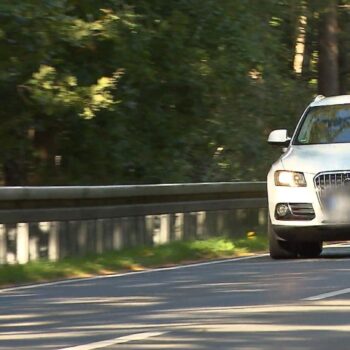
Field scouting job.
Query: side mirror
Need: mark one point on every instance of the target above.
(279, 138)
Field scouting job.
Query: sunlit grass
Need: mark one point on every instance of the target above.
(133, 259)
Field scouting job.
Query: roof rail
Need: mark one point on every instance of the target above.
(319, 98)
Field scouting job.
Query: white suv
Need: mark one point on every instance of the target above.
(309, 185)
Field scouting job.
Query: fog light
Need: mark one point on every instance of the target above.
(282, 210)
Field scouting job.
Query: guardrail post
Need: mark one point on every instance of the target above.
(80, 228)
(3, 244)
(240, 219)
(63, 233)
(201, 224)
(129, 225)
(22, 244)
(210, 223)
(134, 238)
(220, 222)
(99, 236)
(33, 247)
(179, 226)
(117, 234)
(53, 242)
(125, 231)
(149, 228)
(164, 230)
(140, 230)
(108, 234)
(190, 225)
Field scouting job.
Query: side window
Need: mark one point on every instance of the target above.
(304, 135)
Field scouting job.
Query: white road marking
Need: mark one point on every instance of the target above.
(69, 281)
(328, 295)
(114, 341)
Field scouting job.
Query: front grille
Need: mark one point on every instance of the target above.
(325, 181)
(330, 184)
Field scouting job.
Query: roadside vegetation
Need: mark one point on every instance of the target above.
(154, 91)
(135, 259)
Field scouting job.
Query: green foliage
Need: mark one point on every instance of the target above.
(55, 95)
(132, 259)
(144, 91)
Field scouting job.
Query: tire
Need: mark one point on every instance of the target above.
(280, 249)
(309, 250)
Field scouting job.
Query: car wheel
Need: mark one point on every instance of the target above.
(280, 249)
(309, 249)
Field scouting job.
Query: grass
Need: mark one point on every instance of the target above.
(132, 259)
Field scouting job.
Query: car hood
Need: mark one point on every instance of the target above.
(316, 158)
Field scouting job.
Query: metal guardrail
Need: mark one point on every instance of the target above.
(34, 204)
(55, 222)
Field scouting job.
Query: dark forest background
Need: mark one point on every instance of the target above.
(155, 91)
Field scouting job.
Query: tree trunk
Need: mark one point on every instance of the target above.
(344, 49)
(300, 42)
(328, 63)
(310, 47)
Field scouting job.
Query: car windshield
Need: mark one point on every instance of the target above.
(325, 124)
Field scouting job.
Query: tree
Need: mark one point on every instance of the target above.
(45, 87)
(328, 61)
(136, 91)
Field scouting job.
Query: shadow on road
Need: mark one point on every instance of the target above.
(251, 304)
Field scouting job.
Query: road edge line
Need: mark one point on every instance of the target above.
(131, 273)
(119, 340)
(328, 295)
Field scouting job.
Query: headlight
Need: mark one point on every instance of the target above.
(289, 178)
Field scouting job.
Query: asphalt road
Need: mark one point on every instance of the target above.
(243, 304)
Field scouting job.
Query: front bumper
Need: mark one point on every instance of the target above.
(297, 195)
(317, 233)
(319, 228)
